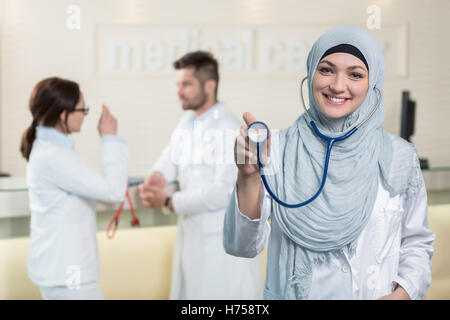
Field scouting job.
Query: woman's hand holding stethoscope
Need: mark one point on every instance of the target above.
(246, 157)
(245, 152)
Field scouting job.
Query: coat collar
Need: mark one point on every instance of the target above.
(54, 136)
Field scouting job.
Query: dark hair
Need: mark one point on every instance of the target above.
(49, 98)
(204, 64)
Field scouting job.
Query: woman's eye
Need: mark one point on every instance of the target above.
(356, 75)
(324, 70)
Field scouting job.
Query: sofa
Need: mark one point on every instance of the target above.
(136, 263)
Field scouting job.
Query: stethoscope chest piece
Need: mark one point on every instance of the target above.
(258, 132)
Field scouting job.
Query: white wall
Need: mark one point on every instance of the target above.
(37, 43)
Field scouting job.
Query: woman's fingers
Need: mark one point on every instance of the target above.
(244, 153)
(107, 115)
(105, 112)
(105, 109)
(248, 118)
(264, 147)
(107, 123)
(243, 135)
(101, 116)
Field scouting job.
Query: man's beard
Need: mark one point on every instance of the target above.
(197, 103)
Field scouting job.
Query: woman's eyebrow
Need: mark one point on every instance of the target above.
(355, 67)
(334, 66)
(328, 62)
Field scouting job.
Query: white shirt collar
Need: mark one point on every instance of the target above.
(213, 112)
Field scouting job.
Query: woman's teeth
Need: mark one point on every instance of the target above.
(337, 100)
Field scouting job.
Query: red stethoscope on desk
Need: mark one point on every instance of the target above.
(135, 222)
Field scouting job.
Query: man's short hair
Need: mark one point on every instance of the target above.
(204, 64)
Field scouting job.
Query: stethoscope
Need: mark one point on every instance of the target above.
(258, 132)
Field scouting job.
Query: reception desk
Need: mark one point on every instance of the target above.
(15, 213)
(14, 198)
(437, 182)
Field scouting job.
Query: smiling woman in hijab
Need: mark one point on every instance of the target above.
(366, 235)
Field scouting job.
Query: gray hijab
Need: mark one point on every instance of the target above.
(331, 224)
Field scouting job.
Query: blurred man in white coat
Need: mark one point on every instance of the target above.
(200, 156)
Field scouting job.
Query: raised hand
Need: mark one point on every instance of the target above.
(245, 154)
(107, 124)
(249, 179)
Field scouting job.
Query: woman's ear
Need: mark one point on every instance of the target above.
(62, 121)
(62, 117)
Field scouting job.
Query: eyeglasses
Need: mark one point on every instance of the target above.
(85, 110)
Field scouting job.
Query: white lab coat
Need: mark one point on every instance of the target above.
(62, 191)
(200, 155)
(395, 246)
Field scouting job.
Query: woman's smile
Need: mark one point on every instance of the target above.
(335, 100)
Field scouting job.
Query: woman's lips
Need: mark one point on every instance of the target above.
(335, 101)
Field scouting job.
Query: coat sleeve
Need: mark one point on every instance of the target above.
(416, 250)
(70, 173)
(242, 236)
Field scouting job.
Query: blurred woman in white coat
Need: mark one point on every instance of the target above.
(63, 257)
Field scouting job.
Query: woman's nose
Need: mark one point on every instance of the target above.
(338, 85)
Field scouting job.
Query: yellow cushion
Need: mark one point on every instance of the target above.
(439, 223)
(13, 270)
(137, 263)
